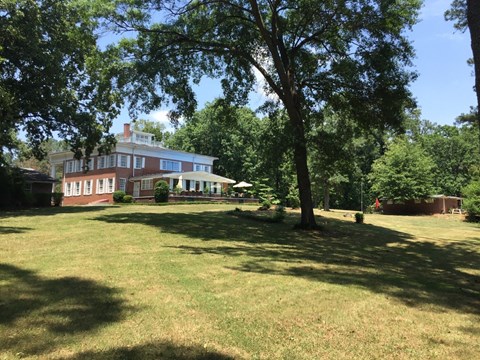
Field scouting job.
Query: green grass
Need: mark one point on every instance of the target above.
(190, 282)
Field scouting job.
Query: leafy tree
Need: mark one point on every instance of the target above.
(454, 153)
(51, 78)
(351, 54)
(472, 200)
(226, 132)
(466, 14)
(404, 172)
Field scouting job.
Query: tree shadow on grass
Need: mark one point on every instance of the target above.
(5, 230)
(382, 260)
(37, 313)
(54, 210)
(160, 350)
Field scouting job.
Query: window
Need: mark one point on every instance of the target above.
(68, 189)
(170, 165)
(78, 188)
(124, 161)
(139, 162)
(100, 186)
(111, 160)
(111, 185)
(101, 162)
(69, 167)
(27, 187)
(87, 188)
(122, 184)
(147, 184)
(74, 166)
(107, 161)
(89, 165)
(201, 167)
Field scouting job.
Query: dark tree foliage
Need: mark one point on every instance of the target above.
(51, 78)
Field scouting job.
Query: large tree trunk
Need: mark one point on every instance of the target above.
(473, 18)
(303, 176)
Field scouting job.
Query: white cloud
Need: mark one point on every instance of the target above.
(161, 116)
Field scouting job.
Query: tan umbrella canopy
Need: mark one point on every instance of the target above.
(242, 184)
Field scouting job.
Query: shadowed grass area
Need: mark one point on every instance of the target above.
(375, 258)
(153, 351)
(48, 307)
(191, 282)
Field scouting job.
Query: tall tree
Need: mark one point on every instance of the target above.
(51, 77)
(226, 132)
(347, 53)
(404, 172)
(466, 14)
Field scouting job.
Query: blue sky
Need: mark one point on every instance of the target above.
(443, 90)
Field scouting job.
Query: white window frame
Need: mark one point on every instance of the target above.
(68, 189)
(90, 164)
(100, 186)
(101, 162)
(111, 160)
(110, 184)
(122, 184)
(168, 165)
(87, 187)
(146, 184)
(77, 189)
(201, 167)
(69, 167)
(123, 161)
(138, 162)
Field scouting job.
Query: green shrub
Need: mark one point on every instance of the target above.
(279, 214)
(359, 218)
(471, 203)
(57, 198)
(118, 196)
(128, 199)
(161, 191)
(293, 199)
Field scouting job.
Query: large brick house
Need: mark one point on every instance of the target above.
(134, 165)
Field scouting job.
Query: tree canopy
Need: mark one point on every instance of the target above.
(350, 54)
(404, 172)
(51, 77)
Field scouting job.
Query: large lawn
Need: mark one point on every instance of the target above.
(189, 282)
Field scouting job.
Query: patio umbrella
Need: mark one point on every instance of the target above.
(242, 184)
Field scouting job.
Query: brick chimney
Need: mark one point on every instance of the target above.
(126, 131)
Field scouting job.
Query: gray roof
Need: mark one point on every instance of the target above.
(34, 176)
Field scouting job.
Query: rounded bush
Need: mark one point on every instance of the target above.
(118, 196)
(128, 199)
(359, 218)
(161, 191)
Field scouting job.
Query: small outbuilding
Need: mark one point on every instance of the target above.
(435, 204)
(37, 182)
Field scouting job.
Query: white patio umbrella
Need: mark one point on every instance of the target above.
(242, 184)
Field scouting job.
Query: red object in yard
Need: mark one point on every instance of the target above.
(377, 203)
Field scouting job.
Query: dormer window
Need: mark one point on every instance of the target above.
(143, 138)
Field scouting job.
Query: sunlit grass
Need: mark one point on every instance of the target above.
(191, 282)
